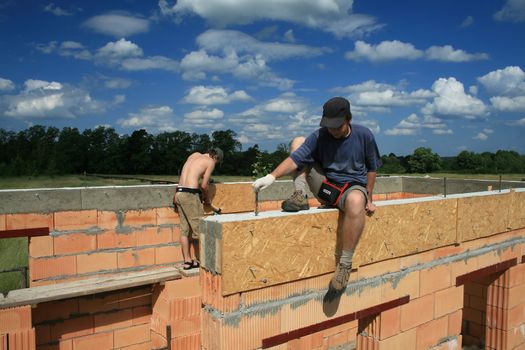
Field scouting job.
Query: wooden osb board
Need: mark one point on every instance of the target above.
(404, 229)
(483, 216)
(260, 253)
(517, 210)
(232, 198)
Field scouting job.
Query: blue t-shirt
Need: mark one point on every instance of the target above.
(343, 160)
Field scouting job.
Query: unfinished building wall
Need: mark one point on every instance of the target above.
(265, 280)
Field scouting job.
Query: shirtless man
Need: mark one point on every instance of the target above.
(190, 196)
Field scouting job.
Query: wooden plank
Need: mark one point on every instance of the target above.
(26, 232)
(267, 251)
(517, 211)
(403, 229)
(232, 198)
(486, 271)
(482, 216)
(36, 295)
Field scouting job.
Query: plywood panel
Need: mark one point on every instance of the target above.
(232, 198)
(260, 253)
(483, 216)
(404, 229)
(517, 210)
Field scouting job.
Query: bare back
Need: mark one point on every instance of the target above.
(198, 166)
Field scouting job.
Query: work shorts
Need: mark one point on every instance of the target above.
(315, 177)
(190, 212)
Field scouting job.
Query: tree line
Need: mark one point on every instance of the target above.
(41, 150)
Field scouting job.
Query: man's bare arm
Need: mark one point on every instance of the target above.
(285, 168)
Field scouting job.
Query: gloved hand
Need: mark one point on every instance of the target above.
(263, 182)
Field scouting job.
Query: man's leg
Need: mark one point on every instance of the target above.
(298, 200)
(351, 228)
(184, 231)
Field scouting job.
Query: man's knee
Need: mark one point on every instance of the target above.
(355, 202)
(296, 143)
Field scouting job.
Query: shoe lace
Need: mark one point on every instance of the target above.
(298, 195)
(343, 273)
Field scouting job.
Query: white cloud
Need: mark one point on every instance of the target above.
(117, 24)
(373, 94)
(226, 41)
(57, 10)
(333, 16)
(519, 122)
(117, 83)
(151, 118)
(481, 136)
(289, 36)
(507, 81)
(395, 50)
(116, 52)
(6, 85)
(448, 54)
(197, 64)
(412, 125)
(128, 56)
(384, 51)
(75, 49)
(43, 99)
(467, 22)
(452, 101)
(508, 104)
(512, 11)
(119, 99)
(442, 132)
(210, 95)
(204, 118)
(401, 132)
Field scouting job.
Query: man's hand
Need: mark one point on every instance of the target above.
(370, 208)
(263, 182)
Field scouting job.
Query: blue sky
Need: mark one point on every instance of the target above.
(444, 74)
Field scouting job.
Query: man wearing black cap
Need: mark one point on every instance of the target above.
(338, 162)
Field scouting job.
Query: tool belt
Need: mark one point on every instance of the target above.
(332, 192)
(185, 189)
(189, 190)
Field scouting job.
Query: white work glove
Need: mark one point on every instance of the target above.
(263, 182)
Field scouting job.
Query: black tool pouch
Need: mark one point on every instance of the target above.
(331, 193)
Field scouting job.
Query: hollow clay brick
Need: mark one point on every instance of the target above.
(44, 268)
(434, 279)
(95, 341)
(41, 246)
(132, 335)
(136, 258)
(167, 216)
(447, 301)
(75, 220)
(417, 312)
(28, 220)
(112, 239)
(74, 243)
(96, 262)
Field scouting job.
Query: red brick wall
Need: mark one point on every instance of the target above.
(89, 242)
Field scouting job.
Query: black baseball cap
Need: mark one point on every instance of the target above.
(335, 112)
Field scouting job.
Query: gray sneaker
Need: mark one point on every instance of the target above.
(341, 275)
(296, 202)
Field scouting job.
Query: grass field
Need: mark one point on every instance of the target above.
(13, 254)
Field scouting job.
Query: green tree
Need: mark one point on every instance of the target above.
(391, 165)
(424, 161)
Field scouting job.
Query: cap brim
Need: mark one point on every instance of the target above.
(332, 122)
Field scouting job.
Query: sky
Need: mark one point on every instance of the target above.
(443, 74)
